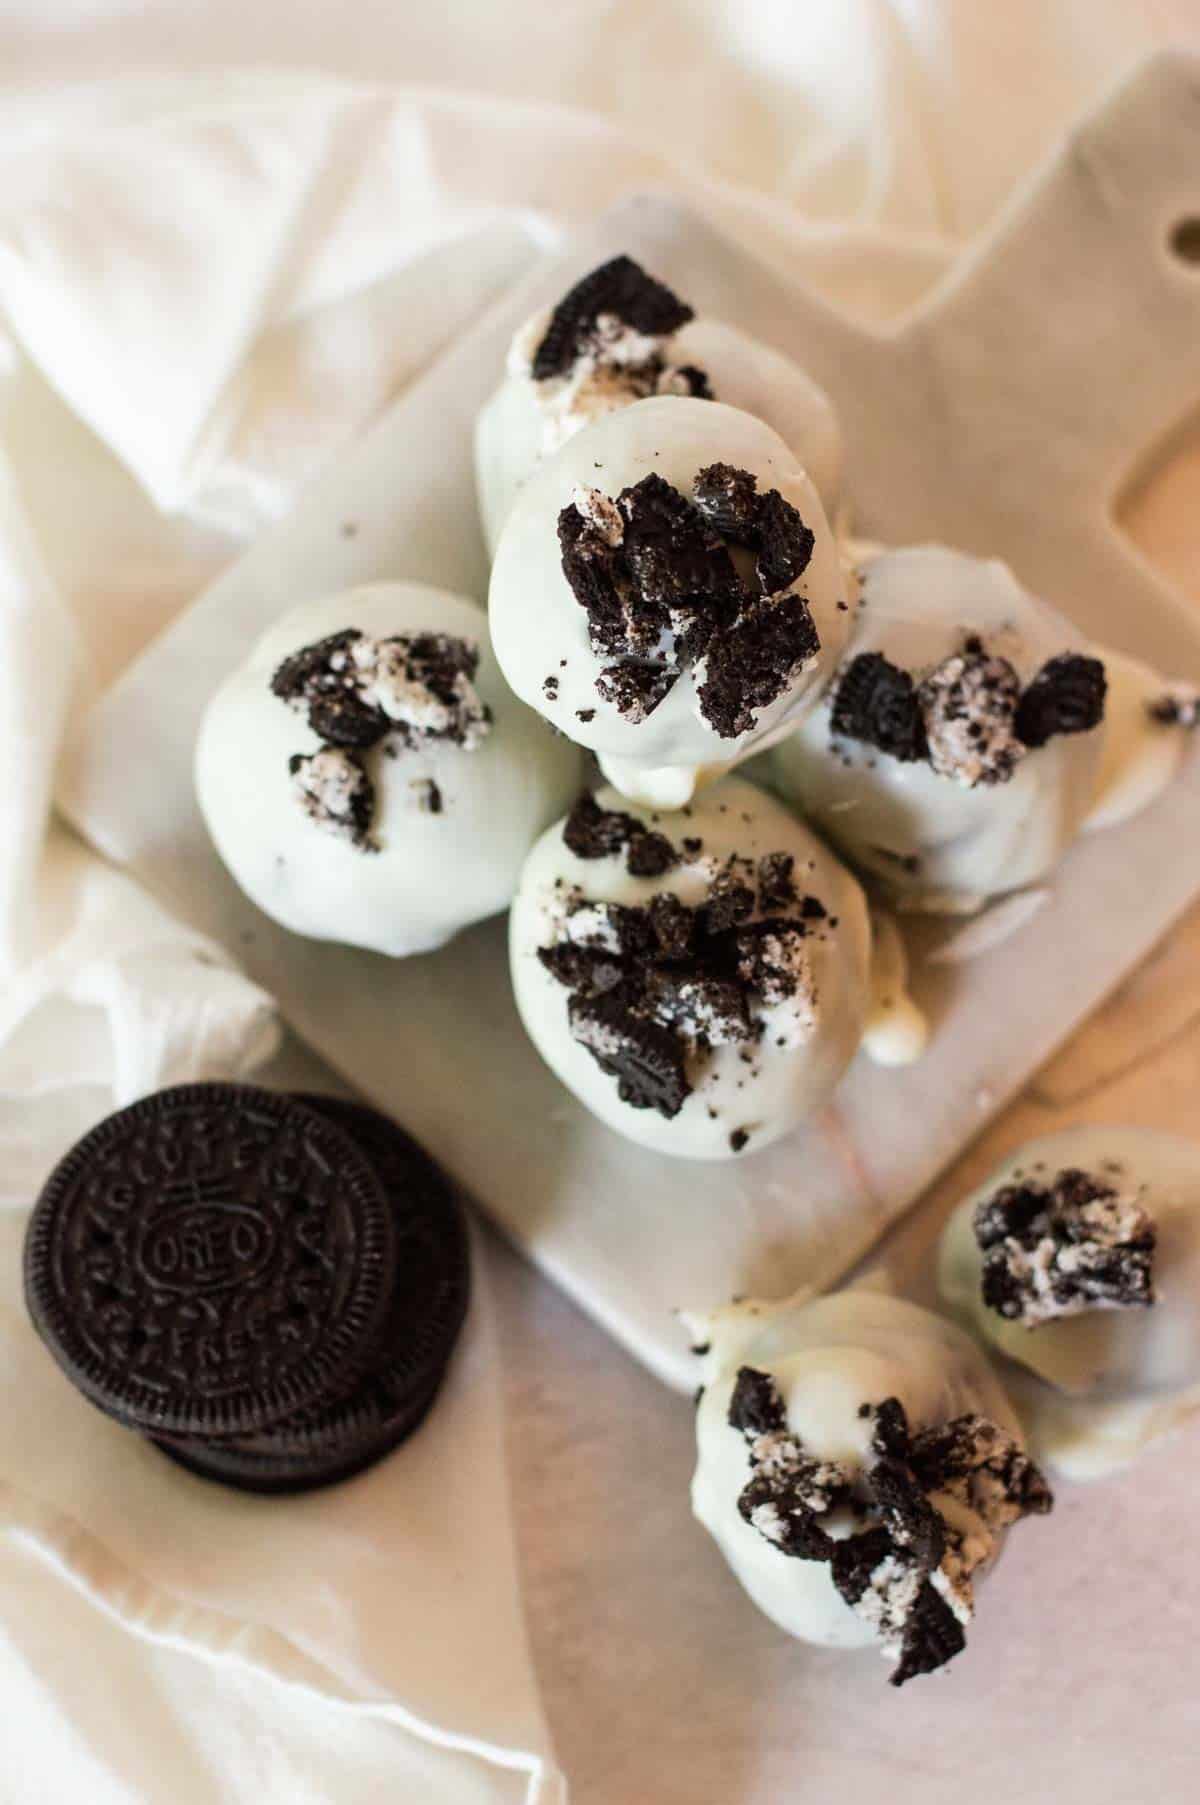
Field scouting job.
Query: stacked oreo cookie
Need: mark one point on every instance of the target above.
(267, 1287)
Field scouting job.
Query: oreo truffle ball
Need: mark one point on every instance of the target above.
(668, 592)
(859, 1466)
(957, 751)
(368, 777)
(1078, 1259)
(700, 980)
(617, 337)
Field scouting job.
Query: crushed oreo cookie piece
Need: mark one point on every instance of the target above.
(1178, 706)
(788, 1490)
(647, 1060)
(680, 568)
(755, 661)
(592, 832)
(424, 684)
(432, 800)
(595, 566)
(655, 584)
(730, 899)
(728, 499)
(635, 690)
(777, 883)
(336, 793)
(608, 927)
(600, 513)
(876, 702)
(587, 970)
(773, 960)
(620, 288)
(1059, 1249)
(322, 681)
(739, 1140)
(411, 688)
(706, 1009)
(785, 544)
(968, 705)
(650, 855)
(686, 379)
(755, 1406)
(973, 1460)
(673, 925)
(767, 524)
(1066, 696)
(932, 1635)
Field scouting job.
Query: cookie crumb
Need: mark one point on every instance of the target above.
(1058, 1250)
(1066, 696)
(335, 792)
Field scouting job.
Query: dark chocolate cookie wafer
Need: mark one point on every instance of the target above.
(432, 1284)
(317, 1446)
(212, 1260)
(258, 1467)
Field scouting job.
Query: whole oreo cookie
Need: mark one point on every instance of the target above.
(212, 1260)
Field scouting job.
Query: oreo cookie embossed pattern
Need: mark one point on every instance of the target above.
(235, 1274)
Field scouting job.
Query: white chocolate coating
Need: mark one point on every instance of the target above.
(1099, 1387)
(540, 630)
(434, 873)
(780, 1086)
(828, 1356)
(1141, 755)
(897, 1033)
(969, 843)
(511, 436)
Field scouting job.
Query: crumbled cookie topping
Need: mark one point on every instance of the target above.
(876, 702)
(1178, 706)
(905, 1534)
(606, 344)
(592, 832)
(693, 979)
(1066, 696)
(334, 790)
(1058, 1249)
(968, 718)
(662, 593)
(357, 692)
(968, 706)
(619, 289)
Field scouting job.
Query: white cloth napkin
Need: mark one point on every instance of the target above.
(207, 286)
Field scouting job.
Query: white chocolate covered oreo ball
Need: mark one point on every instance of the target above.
(668, 592)
(1079, 1260)
(700, 980)
(858, 1465)
(617, 337)
(957, 752)
(368, 777)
